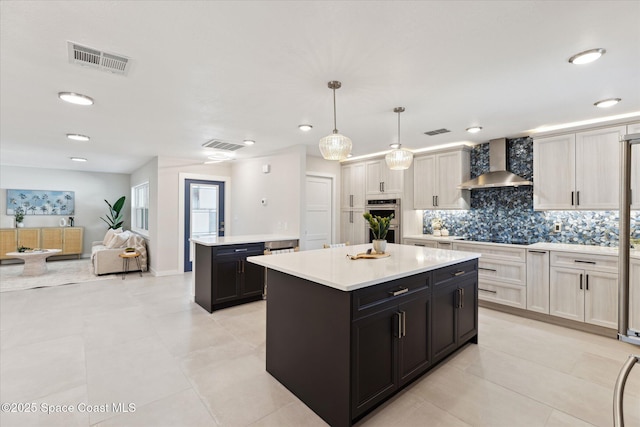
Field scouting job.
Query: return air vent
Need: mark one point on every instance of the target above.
(437, 132)
(94, 58)
(222, 145)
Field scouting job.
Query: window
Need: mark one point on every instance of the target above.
(140, 208)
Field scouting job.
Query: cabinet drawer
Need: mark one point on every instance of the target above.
(502, 271)
(493, 251)
(372, 299)
(444, 276)
(425, 243)
(512, 295)
(585, 261)
(252, 249)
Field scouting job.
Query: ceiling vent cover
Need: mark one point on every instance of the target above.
(221, 145)
(437, 132)
(94, 58)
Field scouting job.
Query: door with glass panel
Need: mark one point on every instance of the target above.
(204, 213)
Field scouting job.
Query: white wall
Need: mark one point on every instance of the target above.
(148, 173)
(91, 189)
(282, 187)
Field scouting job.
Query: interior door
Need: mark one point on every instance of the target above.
(319, 210)
(204, 213)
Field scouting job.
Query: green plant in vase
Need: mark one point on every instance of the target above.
(115, 216)
(379, 226)
(19, 215)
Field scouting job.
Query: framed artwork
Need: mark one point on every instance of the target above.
(41, 202)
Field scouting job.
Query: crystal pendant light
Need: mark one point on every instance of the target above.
(335, 146)
(399, 158)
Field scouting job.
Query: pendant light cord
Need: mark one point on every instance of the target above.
(399, 129)
(335, 126)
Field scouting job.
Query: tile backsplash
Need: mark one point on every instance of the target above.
(507, 213)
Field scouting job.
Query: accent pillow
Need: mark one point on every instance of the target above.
(110, 233)
(119, 240)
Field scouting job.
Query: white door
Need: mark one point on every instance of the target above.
(318, 211)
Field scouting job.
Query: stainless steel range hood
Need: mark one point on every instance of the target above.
(498, 175)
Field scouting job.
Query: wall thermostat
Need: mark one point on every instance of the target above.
(266, 169)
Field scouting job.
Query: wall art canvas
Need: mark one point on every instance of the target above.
(41, 202)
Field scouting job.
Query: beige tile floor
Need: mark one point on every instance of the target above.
(143, 341)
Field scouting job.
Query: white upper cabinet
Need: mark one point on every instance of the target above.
(380, 180)
(352, 183)
(436, 178)
(577, 171)
(635, 168)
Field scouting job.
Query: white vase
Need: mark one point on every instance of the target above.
(20, 224)
(437, 233)
(379, 245)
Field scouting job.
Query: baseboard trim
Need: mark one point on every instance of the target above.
(159, 273)
(547, 318)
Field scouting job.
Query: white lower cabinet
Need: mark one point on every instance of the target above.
(502, 273)
(634, 294)
(586, 294)
(538, 281)
(417, 242)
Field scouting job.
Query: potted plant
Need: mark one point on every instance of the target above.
(379, 226)
(19, 215)
(115, 216)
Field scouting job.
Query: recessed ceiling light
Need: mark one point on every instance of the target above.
(78, 137)
(394, 145)
(606, 103)
(587, 56)
(305, 128)
(474, 129)
(75, 98)
(249, 142)
(78, 159)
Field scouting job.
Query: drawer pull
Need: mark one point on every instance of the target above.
(418, 244)
(487, 290)
(584, 262)
(241, 250)
(537, 252)
(458, 273)
(399, 292)
(487, 269)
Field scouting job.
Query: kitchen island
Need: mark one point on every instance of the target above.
(345, 335)
(222, 277)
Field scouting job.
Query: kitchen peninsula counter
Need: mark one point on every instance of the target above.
(345, 335)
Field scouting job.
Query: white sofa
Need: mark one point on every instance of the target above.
(105, 257)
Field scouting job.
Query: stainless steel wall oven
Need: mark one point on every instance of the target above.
(385, 207)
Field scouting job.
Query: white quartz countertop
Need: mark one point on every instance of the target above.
(544, 246)
(332, 267)
(240, 240)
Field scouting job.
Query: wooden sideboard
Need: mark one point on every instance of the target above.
(68, 239)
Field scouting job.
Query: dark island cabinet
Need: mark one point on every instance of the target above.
(224, 277)
(455, 308)
(390, 346)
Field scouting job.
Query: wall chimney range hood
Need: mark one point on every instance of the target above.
(498, 175)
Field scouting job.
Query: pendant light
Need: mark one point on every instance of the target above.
(335, 146)
(398, 158)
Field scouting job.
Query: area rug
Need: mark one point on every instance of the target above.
(59, 273)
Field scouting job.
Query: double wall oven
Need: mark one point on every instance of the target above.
(386, 207)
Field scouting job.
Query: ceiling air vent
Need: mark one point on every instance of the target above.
(90, 57)
(437, 132)
(221, 145)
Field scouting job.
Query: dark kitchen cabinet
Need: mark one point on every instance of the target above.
(224, 277)
(390, 347)
(455, 309)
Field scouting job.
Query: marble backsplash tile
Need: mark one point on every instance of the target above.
(507, 213)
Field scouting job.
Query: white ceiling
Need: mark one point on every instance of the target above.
(256, 70)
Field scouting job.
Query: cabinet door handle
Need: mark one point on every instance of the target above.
(537, 252)
(351, 217)
(404, 323)
(572, 203)
(488, 290)
(581, 282)
(399, 292)
(433, 200)
(437, 201)
(587, 283)
(458, 273)
(461, 297)
(487, 269)
(399, 328)
(584, 262)
(238, 266)
(577, 198)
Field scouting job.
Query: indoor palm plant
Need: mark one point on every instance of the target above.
(379, 226)
(115, 216)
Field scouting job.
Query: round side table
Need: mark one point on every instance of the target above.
(126, 258)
